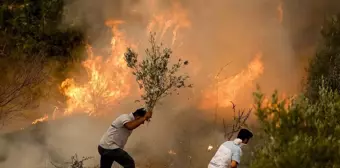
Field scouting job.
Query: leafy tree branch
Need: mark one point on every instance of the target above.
(154, 74)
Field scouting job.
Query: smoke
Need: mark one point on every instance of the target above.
(220, 32)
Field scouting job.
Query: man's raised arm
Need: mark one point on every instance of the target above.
(138, 121)
(135, 123)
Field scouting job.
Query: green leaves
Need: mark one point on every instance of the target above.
(33, 27)
(306, 134)
(154, 75)
(324, 67)
(318, 116)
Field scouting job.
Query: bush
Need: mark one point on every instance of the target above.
(325, 66)
(304, 134)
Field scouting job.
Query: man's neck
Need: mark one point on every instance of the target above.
(238, 141)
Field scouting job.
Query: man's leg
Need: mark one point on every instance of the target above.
(105, 160)
(123, 158)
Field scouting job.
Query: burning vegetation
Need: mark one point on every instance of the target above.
(87, 67)
(227, 89)
(107, 79)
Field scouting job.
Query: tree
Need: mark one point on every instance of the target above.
(304, 134)
(154, 75)
(19, 85)
(33, 37)
(325, 66)
(35, 27)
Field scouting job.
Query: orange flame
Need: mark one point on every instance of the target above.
(107, 78)
(282, 98)
(42, 119)
(229, 88)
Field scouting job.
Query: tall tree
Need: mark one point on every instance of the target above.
(32, 35)
(34, 26)
(19, 85)
(326, 64)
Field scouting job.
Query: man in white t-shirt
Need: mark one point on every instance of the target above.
(113, 141)
(230, 152)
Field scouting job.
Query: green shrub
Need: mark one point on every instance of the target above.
(305, 134)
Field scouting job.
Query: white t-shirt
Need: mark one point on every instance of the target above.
(227, 152)
(117, 135)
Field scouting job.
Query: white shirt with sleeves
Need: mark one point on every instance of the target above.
(228, 151)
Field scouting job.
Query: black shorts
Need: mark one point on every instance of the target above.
(108, 156)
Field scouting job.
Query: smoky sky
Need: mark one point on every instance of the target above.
(304, 18)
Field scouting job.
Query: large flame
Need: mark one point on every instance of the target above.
(107, 78)
(227, 89)
(108, 81)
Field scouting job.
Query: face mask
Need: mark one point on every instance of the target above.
(238, 141)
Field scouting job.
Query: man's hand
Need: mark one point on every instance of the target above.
(148, 115)
(234, 164)
(138, 121)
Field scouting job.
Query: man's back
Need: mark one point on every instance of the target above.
(111, 146)
(228, 151)
(116, 136)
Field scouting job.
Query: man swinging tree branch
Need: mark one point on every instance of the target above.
(113, 141)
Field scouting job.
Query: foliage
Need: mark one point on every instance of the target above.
(304, 134)
(31, 38)
(33, 26)
(326, 64)
(154, 74)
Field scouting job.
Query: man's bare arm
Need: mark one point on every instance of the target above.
(233, 164)
(135, 123)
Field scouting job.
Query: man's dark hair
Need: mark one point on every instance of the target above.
(140, 112)
(244, 134)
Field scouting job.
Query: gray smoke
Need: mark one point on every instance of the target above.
(221, 31)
